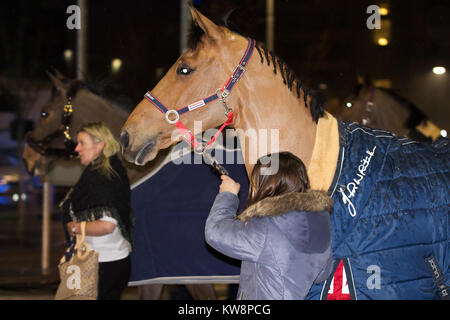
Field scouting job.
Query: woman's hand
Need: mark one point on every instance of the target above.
(229, 184)
(72, 228)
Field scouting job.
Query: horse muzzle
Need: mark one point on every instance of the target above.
(140, 155)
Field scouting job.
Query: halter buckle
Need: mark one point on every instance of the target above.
(242, 68)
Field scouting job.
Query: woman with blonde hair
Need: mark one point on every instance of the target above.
(101, 197)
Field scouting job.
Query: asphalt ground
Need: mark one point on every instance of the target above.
(21, 274)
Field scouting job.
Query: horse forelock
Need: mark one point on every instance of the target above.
(357, 90)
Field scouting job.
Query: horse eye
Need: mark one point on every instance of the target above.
(184, 70)
(44, 114)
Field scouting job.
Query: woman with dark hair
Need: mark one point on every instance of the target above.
(283, 237)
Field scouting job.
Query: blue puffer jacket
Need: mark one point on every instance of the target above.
(390, 221)
(284, 242)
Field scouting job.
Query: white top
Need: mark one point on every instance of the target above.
(110, 247)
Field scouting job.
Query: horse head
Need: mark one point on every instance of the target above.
(48, 141)
(267, 101)
(355, 106)
(384, 109)
(70, 105)
(198, 73)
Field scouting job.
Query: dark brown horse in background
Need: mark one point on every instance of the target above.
(384, 109)
(47, 142)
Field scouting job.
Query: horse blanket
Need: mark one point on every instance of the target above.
(171, 209)
(390, 222)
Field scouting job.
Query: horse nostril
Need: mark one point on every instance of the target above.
(124, 139)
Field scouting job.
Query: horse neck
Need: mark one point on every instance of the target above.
(388, 114)
(269, 104)
(89, 107)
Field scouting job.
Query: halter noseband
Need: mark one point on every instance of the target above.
(367, 117)
(226, 88)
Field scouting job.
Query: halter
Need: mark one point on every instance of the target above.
(367, 117)
(187, 135)
(42, 147)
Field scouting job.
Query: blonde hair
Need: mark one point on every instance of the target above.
(100, 132)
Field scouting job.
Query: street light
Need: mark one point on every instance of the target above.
(116, 64)
(68, 55)
(383, 42)
(384, 11)
(438, 70)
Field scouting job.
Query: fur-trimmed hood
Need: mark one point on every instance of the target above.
(311, 200)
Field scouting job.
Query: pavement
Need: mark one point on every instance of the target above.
(21, 275)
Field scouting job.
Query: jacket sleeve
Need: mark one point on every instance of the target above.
(231, 236)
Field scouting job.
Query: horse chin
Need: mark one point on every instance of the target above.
(37, 168)
(145, 154)
(34, 163)
(40, 171)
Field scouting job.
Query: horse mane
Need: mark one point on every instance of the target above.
(97, 88)
(416, 116)
(317, 103)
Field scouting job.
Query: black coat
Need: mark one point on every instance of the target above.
(95, 195)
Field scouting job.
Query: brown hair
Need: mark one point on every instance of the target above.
(289, 176)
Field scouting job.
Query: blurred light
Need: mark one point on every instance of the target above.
(116, 64)
(15, 197)
(68, 54)
(383, 42)
(323, 86)
(24, 196)
(384, 11)
(439, 70)
(444, 133)
(349, 104)
(9, 177)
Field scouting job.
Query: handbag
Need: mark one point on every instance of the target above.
(78, 271)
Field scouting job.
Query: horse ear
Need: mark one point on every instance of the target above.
(57, 83)
(359, 79)
(210, 28)
(364, 80)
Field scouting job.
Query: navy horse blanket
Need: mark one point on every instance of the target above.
(390, 222)
(171, 209)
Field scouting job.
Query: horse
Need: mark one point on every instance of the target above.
(48, 142)
(390, 220)
(52, 138)
(383, 108)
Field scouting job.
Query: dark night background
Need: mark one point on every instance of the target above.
(324, 42)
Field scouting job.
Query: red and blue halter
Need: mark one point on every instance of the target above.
(188, 136)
